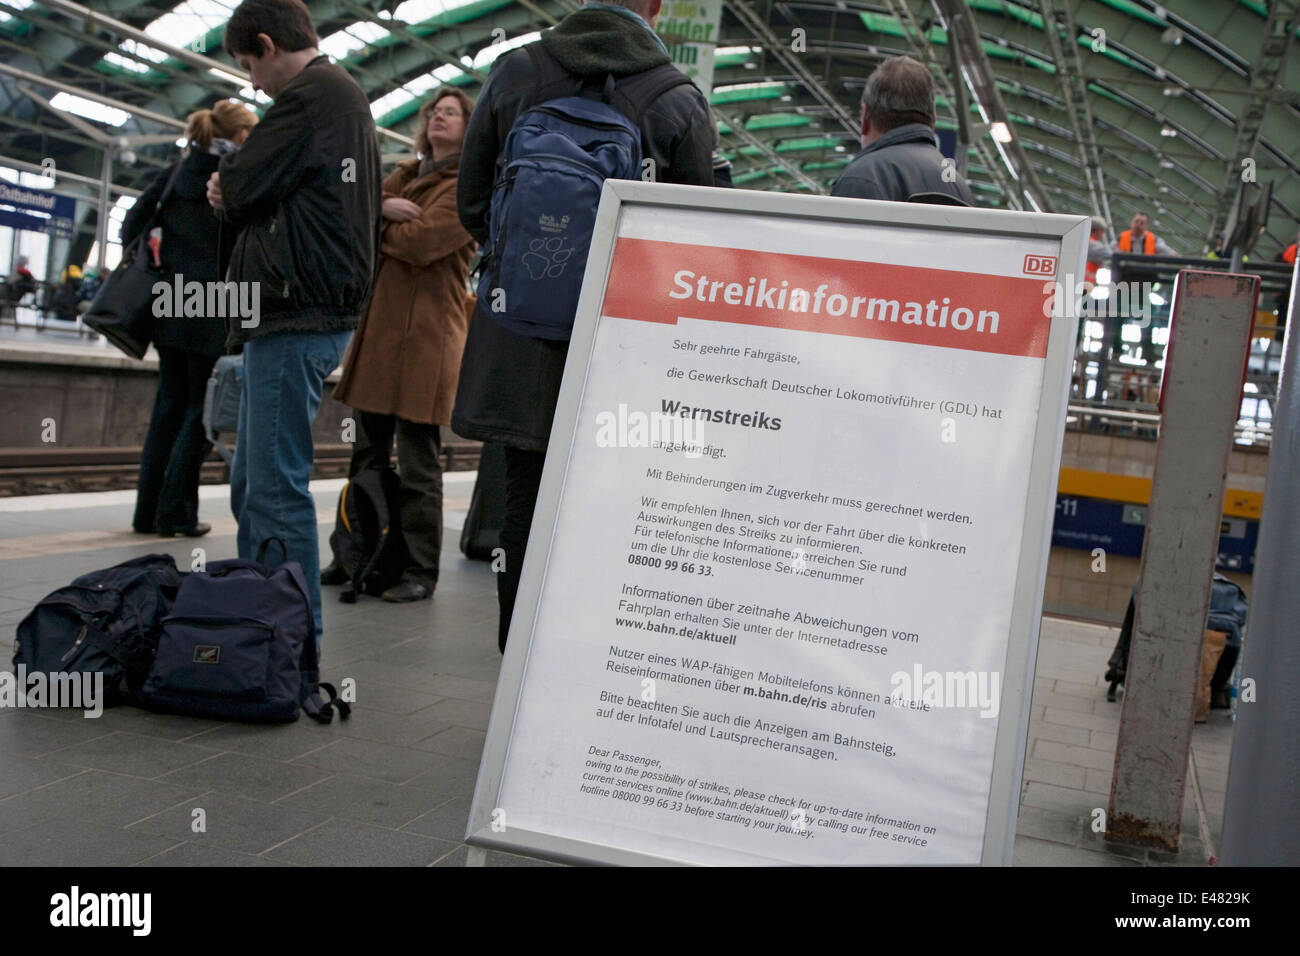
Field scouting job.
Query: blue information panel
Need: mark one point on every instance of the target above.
(36, 210)
(1088, 523)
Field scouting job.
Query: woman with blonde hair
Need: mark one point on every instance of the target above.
(188, 244)
(404, 362)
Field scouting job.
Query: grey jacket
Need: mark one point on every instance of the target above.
(903, 162)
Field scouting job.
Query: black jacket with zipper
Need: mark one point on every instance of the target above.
(304, 192)
(191, 233)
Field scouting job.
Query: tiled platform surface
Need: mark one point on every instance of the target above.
(392, 785)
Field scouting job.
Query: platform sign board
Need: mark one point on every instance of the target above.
(36, 210)
(783, 586)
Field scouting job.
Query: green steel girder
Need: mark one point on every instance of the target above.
(1229, 95)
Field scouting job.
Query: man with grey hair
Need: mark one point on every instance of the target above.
(900, 156)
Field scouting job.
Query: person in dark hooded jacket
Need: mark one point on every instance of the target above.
(167, 498)
(509, 383)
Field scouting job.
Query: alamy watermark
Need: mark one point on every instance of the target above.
(1083, 298)
(626, 428)
(976, 689)
(75, 909)
(81, 690)
(213, 299)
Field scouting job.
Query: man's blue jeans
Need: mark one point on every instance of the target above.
(283, 377)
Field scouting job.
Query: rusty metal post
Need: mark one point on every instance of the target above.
(1201, 399)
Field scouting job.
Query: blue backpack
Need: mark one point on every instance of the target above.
(239, 645)
(554, 163)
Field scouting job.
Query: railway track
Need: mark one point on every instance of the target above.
(44, 471)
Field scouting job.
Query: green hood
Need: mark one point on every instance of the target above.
(598, 41)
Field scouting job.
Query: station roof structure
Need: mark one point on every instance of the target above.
(1107, 107)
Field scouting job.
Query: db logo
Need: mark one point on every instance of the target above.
(1040, 265)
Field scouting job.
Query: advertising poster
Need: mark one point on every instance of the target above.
(689, 28)
(785, 552)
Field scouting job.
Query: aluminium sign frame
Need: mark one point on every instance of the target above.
(1048, 435)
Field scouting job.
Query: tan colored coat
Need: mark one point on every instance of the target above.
(404, 359)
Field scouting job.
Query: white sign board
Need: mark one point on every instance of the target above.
(783, 587)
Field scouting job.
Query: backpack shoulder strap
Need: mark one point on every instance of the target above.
(370, 483)
(636, 94)
(162, 198)
(320, 707)
(311, 690)
(550, 79)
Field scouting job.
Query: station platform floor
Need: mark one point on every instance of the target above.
(392, 785)
(30, 327)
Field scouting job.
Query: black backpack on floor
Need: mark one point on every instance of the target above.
(106, 621)
(367, 538)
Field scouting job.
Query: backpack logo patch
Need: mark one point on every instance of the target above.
(207, 654)
(548, 223)
(546, 258)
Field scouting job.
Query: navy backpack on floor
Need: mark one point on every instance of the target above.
(239, 645)
(105, 621)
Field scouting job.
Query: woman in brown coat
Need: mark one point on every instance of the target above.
(401, 370)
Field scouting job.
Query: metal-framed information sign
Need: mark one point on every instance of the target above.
(782, 592)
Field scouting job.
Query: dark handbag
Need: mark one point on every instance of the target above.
(122, 310)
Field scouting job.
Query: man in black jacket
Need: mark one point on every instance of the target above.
(900, 155)
(509, 383)
(304, 193)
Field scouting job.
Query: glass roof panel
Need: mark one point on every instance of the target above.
(422, 84)
(89, 109)
(190, 20)
(389, 102)
(125, 63)
(350, 39)
(486, 56)
(417, 11)
(15, 4)
(138, 51)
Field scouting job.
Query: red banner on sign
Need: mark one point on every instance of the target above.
(653, 281)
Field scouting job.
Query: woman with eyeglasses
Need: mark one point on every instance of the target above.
(401, 370)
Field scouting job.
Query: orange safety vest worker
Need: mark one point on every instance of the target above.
(1289, 254)
(1126, 242)
(1090, 272)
